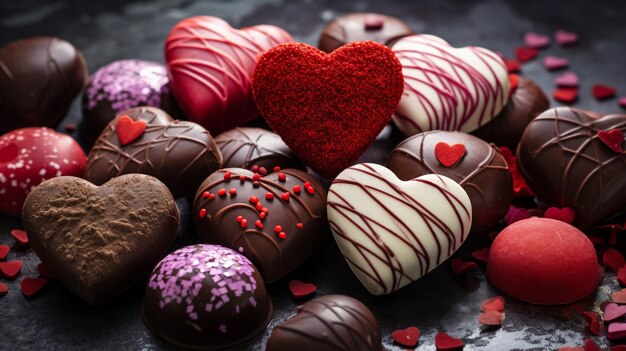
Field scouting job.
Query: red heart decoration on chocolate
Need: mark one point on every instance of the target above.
(11, 269)
(565, 214)
(443, 341)
(449, 155)
(328, 108)
(407, 337)
(129, 130)
(210, 66)
(31, 286)
(20, 236)
(525, 54)
(4, 251)
(481, 255)
(613, 259)
(495, 303)
(613, 138)
(491, 318)
(301, 289)
(601, 91)
(462, 267)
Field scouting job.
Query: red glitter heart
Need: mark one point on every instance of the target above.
(565, 95)
(301, 289)
(11, 269)
(520, 187)
(491, 318)
(619, 296)
(4, 251)
(31, 286)
(512, 66)
(613, 259)
(449, 155)
(407, 337)
(601, 91)
(613, 138)
(525, 54)
(495, 303)
(481, 255)
(565, 214)
(20, 236)
(462, 267)
(129, 130)
(443, 341)
(328, 108)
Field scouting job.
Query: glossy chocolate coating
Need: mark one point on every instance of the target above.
(235, 192)
(507, 127)
(206, 297)
(362, 26)
(180, 153)
(249, 147)
(329, 322)
(39, 79)
(567, 165)
(482, 172)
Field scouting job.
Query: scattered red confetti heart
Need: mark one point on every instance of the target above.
(613, 259)
(520, 187)
(571, 348)
(495, 303)
(567, 80)
(20, 236)
(443, 341)
(593, 321)
(613, 311)
(565, 214)
(481, 255)
(3, 289)
(407, 337)
(602, 92)
(449, 155)
(512, 66)
(491, 318)
(516, 214)
(613, 138)
(4, 251)
(565, 95)
(591, 345)
(619, 296)
(622, 102)
(31, 286)
(565, 38)
(11, 269)
(129, 130)
(513, 83)
(616, 331)
(45, 271)
(461, 267)
(300, 289)
(525, 54)
(535, 40)
(551, 62)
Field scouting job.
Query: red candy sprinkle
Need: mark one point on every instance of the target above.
(242, 178)
(567, 79)
(310, 190)
(239, 219)
(31, 286)
(613, 311)
(491, 318)
(221, 192)
(276, 168)
(616, 331)
(4, 251)
(571, 348)
(255, 168)
(299, 225)
(565, 214)
(285, 196)
(565, 95)
(601, 91)
(593, 322)
(43, 269)
(269, 196)
(20, 236)
(495, 303)
(443, 341)
(262, 215)
(244, 223)
(407, 337)
(205, 194)
(514, 82)
(481, 255)
(282, 177)
(301, 289)
(253, 199)
(129, 130)
(264, 209)
(258, 224)
(3, 289)
(278, 229)
(449, 155)
(282, 235)
(232, 192)
(227, 175)
(551, 62)
(259, 206)
(613, 138)
(296, 189)
(512, 66)
(202, 213)
(520, 188)
(613, 259)
(590, 345)
(525, 54)
(256, 177)
(11, 269)
(262, 170)
(462, 267)
(212, 196)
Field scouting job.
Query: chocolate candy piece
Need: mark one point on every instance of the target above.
(507, 127)
(181, 154)
(120, 86)
(330, 322)
(206, 297)
(250, 147)
(567, 164)
(393, 232)
(481, 170)
(39, 79)
(100, 240)
(362, 26)
(276, 221)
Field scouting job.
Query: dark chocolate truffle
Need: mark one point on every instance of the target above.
(256, 148)
(276, 221)
(147, 140)
(206, 297)
(362, 26)
(330, 322)
(507, 127)
(39, 79)
(477, 166)
(120, 86)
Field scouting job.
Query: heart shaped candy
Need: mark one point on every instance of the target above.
(448, 88)
(210, 66)
(392, 232)
(328, 108)
(443, 341)
(567, 165)
(300, 289)
(99, 240)
(406, 337)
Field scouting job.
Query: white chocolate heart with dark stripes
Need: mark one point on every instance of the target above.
(392, 232)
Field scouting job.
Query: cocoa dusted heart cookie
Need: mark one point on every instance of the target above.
(100, 239)
(276, 221)
(571, 159)
(147, 140)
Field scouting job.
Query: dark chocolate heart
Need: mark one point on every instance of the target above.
(276, 221)
(567, 165)
(100, 240)
(181, 154)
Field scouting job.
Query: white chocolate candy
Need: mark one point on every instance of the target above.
(392, 232)
(446, 88)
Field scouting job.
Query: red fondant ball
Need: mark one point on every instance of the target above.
(543, 261)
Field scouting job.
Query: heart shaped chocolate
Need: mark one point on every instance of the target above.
(210, 66)
(447, 88)
(328, 108)
(276, 221)
(393, 232)
(180, 153)
(100, 240)
(566, 164)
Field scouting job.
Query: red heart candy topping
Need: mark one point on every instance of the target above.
(407, 337)
(601, 91)
(491, 318)
(565, 214)
(129, 130)
(613, 138)
(525, 54)
(449, 155)
(565, 95)
(31, 286)
(20, 236)
(443, 341)
(462, 267)
(613, 311)
(613, 259)
(512, 66)
(4, 251)
(11, 269)
(300, 289)
(514, 82)
(495, 303)
(481, 255)
(619, 296)
(591, 345)
(593, 321)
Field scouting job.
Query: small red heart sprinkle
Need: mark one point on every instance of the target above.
(594, 327)
(11, 269)
(20, 236)
(525, 54)
(285, 196)
(567, 80)
(565, 38)
(4, 251)
(514, 82)
(129, 130)
(565, 95)
(593, 321)
(481, 255)
(300, 289)
(601, 91)
(613, 311)
(613, 138)
(520, 188)
(535, 40)
(622, 102)
(621, 276)
(373, 22)
(3, 289)
(461, 267)
(591, 345)
(31, 286)
(551, 62)
(491, 318)
(512, 66)
(571, 348)
(616, 331)
(516, 214)
(564, 214)
(449, 155)
(46, 272)
(613, 259)
(407, 337)
(443, 341)
(619, 296)
(495, 303)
